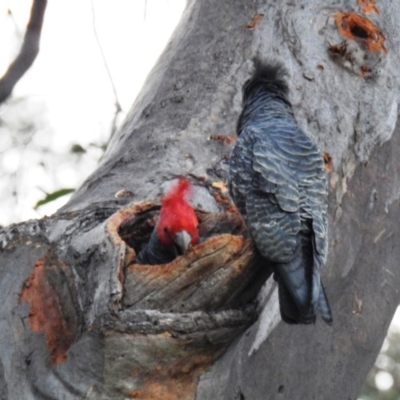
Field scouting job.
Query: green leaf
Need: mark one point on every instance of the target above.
(77, 148)
(53, 196)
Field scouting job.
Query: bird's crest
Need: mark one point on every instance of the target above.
(270, 74)
(177, 194)
(177, 214)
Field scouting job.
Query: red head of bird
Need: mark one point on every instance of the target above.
(178, 224)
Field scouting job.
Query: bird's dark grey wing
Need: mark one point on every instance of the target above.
(273, 204)
(286, 160)
(273, 231)
(241, 171)
(286, 209)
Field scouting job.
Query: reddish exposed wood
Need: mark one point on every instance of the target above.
(328, 161)
(176, 380)
(255, 21)
(364, 70)
(178, 365)
(368, 6)
(221, 199)
(226, 139)
(354, 26)
(51, 312)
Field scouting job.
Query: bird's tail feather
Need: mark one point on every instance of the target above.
(319, 298)
(323, 306)
(290, 312)
(296, 276)
(301, 293)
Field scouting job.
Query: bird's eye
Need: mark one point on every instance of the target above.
(167, 231)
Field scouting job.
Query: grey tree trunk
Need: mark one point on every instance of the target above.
(80, 320)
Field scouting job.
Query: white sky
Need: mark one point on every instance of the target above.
(68, 93)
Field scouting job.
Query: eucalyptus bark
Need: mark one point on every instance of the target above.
(80, 320)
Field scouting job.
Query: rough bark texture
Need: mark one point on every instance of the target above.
(80, 320)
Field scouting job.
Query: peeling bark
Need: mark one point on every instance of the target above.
(49, 291)
(192, 328)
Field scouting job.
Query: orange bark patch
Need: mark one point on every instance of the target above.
(150, 367)
(176, 381)
(365, 69)
(255, 21)
(328, 161)
(227, 139)
(221, 199)
(51, 311)
(353, 26)
(368, 6)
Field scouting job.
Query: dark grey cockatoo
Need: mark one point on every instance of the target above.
(278, 182)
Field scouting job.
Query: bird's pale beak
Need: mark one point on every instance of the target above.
(182, 242)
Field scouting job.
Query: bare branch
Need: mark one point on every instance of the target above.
(117, 103)
(28, 53)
